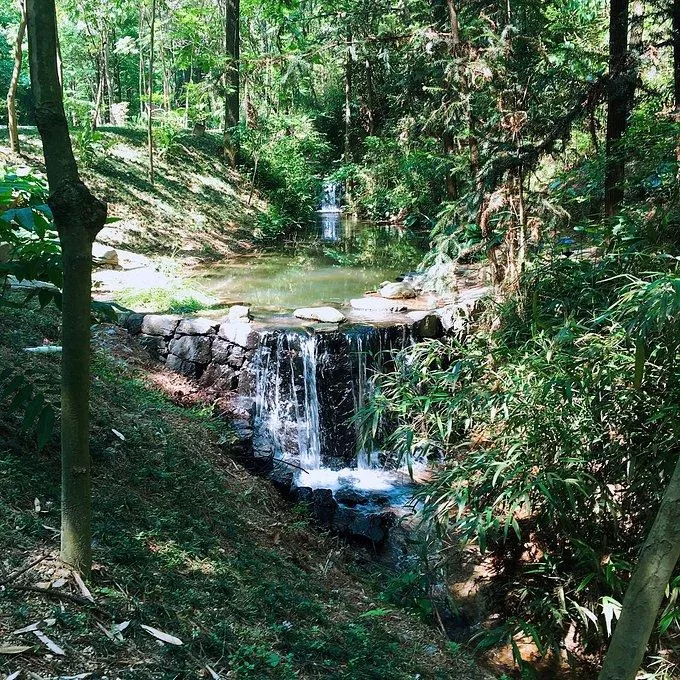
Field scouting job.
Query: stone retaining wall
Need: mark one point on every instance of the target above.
(212, 352)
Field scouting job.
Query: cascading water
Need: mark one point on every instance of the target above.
(331, 196)
(309, 388)
(330, 211)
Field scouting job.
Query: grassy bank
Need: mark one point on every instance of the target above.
(197, 206)
(186, 542)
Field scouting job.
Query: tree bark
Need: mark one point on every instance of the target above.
(646, 589)
(12, 124)
(348, 99)
(676, 54)
(78, 216)
(232, 49)
(618, 105)
(149, 129)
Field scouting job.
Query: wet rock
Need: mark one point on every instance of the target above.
(322, 314)
(237, 356)
(239, 333)
(324, 506)
(398, 290)
(239, 313)
(132, 323)
(377, 305)
(155, 345)
(197, 327)
(426, 324)
(360, 524)
(219, 376)
(303, 494)
(160, 324)
(351, 497)
(282, 477)
(188, 368)
(194, 348)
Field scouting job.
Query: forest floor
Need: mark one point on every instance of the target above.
(197, 207)
(186, 542)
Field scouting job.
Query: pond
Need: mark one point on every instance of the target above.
(337, 259)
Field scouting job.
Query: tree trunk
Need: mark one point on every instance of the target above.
(98, 103)
(348, 99)
(618, 105)
(676, 55)
(78, 216)
(646, 589)
(12, 125)
(232, 49)
(107, 73)
(149, 128)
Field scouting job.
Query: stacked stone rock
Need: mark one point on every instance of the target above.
(213, 352)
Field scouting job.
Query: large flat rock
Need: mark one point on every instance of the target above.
(322, 314)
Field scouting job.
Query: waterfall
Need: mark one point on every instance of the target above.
(286, 399)
(309, 387)
(331, 196)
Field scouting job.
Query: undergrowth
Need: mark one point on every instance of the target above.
(184, 541)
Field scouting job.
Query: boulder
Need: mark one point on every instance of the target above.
(103, 255)
(426, 324)
(346, 495)
(324, 506)
(323, 314)
(282, 477)
(132, 323)
(197, 327)
(237, 356)
(194, 348)
(377, 305)
(239, 313)
(155, 345)
(399, 290)
(187, 368)
(221, 349)
(221, 377)
(239, 333)
(160, 324)
(372, 526)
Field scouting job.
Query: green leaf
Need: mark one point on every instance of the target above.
(32, 411)
(45, 426)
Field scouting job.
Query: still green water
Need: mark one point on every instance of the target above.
(338, 259)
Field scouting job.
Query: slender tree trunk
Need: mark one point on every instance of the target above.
(232, 49)
(149, 129)
(142, 84)
(676, 71)
(12, 125)
(107, 73)
(646, 589)
(348, 98)
(78, 216)
(618, 105)
(676, 54)
(98, 103)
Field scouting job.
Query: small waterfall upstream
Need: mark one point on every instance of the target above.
(331, 197)
(309, 387)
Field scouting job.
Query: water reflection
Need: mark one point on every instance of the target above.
(337, 259)
(331, 225)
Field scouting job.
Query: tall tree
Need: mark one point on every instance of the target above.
(12, 124)
(618, 104)
(149, 128)
(646, 589)
(78, 216)
(232, 49)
